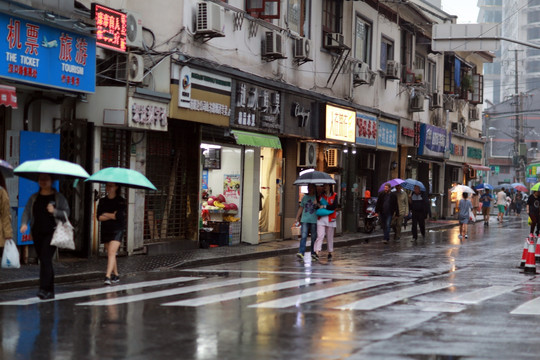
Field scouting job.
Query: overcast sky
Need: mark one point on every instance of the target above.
(465, 10)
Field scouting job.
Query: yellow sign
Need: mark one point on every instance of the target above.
(340, 124)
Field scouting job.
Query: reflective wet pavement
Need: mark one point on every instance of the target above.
(439, 298)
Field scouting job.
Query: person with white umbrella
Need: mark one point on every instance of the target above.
(465, 206)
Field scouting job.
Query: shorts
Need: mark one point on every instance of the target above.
(501, 209)
(463, 220)
(108, 237)
(485, 210)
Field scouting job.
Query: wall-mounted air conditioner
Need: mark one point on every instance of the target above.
(332, 158)
(392, 69)
(450, 104)
(132, 70)
(417, 103)
(361, 74)
(272, 45)
(302, 48)
(134, 31)
(436, 100)
(210, 19)
(307, 154)
(333, 41)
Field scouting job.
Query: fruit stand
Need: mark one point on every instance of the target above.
(220, 226)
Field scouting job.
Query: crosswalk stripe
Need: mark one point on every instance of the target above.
(316, 295)
(164, 293)
(477, 296)
(205, 300)
(102, 290)
(342, 276)
(531, 307)
(377, 301)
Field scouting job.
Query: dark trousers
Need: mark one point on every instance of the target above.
(420, 219)
(45, 253)
(534, 223)
(386, 221)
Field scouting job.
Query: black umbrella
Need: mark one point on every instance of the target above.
(314, 177)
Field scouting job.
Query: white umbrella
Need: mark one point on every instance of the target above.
(462, 189)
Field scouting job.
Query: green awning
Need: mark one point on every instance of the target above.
(255, 139)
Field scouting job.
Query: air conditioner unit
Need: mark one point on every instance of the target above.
(473, 113)
(135, 72)
(450, 104)
(472, 173)
(392, 69)
(370, 165)
(417, 103)
(302, 48)
(436, 100)
(333, 40)
(332, 159)
(307, 154)
(210, 18)
(134, 31)
(272, 45)
(361, 73)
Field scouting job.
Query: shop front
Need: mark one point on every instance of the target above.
(453, 173)
(387, 151)
(255, 123)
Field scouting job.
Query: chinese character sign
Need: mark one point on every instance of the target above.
(366, 129)
(387, 136)
(340, 124)
(432, 141)
(111, 27)
(257, 107)
(44, 55)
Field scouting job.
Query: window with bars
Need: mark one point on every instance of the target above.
(263, 9)
(298, 16)
(332, 16)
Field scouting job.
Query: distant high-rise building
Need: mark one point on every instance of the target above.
(491, 11)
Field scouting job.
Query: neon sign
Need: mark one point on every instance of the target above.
(111, 27)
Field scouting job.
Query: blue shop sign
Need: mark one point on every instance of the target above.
(387, 136)
(432, 141)
(40, 54)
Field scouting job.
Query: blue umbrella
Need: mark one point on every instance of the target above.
(483, 186)
(393, 182)
(409, 184)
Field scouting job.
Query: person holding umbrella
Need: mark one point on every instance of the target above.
(403, 209)
(41, 212)
(387, 207)
(465, 206)
(326, 221)
(308, 218)
(111, 212)
(486, 200)
(533, 209)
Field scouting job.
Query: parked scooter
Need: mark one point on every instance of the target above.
(372, 219)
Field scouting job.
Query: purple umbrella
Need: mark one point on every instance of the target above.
(393, 182)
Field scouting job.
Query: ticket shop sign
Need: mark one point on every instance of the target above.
(40, 54)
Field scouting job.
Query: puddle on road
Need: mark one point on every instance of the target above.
(435, 357)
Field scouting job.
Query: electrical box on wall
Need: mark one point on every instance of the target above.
(307, 154)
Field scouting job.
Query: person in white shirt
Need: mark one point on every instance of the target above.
(501, 204)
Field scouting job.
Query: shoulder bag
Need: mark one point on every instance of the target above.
(63, 235)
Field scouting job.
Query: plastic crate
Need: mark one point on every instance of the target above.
(221, 227)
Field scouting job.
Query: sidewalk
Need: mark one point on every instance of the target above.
(69, 269)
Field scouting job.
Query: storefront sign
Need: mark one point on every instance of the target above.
(257, 108)
(416, 134)
(474, 153)
(407, 132)
(432, 141)
(388, 136)
(111, 27)
(366, 129)
(147, 114)
(232, 188)
(40, 54)
(298, 116)
(340, 124)
(456, 150)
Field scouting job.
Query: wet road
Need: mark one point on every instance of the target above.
(439, 298)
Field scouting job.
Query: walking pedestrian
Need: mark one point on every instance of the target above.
(307, 217)
(419, 205)
(6, 231)
(326, 221)
(465, 207)
(403, 209)
(111, 212)
(519, 202)
(41, 212)
(533, 209)
(501, 204)
(486, 200)
(386, 208)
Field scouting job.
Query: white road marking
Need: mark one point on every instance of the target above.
(169, 292)
(317, 295)
(477, 296)
(377, 301)
(429, 306)
(529, 308)
(340, 276)
(205, 300)
(102, 290)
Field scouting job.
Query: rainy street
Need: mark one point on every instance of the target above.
(439, 298)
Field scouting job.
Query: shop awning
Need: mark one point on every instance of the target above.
(256, 139)
(8, 96)
(478, 167)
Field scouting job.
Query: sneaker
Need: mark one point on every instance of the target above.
(115, 279)
(459, 236)
(300, 256)
(107, 281)
(466, 236)
(329, 256)
(314, 256)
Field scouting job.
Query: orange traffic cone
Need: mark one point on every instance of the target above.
(537, 250)
(524, 254)
(530, 263)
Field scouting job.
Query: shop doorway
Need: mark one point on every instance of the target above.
(270, 199)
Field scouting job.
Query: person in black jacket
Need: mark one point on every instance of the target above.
(111, 212)
(419, 205)
(386, 208)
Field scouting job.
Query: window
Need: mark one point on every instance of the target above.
(332, 16)
(362, 49)
(387, 52)
(431, 76)
(263, 9)
(477, 95)
(449, 78)
(419, 68)
(298, 17)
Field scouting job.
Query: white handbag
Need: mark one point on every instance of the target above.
(63, 235)
(10, 258)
